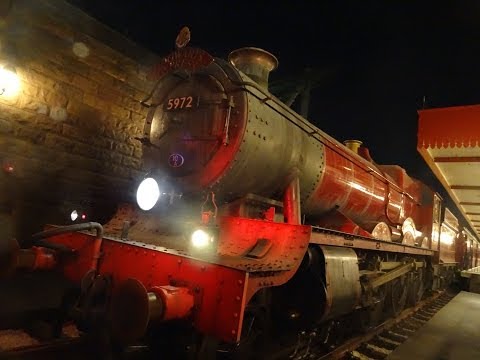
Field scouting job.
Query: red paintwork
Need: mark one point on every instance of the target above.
(221, 284)
(177, 301)
(43, 258)
(187, 58)
(97, 247)
(449, 127)
(447, 253)
(362, 196)
(338, 221)
(222, 290)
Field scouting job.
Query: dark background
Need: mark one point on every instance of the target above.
(378, 62)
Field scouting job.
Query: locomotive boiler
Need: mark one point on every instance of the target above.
(219, 129)
(251, 225)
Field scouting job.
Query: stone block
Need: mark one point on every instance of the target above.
(85, 84)
(21, 116)
(123, 148)
(6, 126)
(54, 141)
(36, 136)
(52, 70)
(46, 123)
(119, 112)
(137, 151)
(95, 102)
(58, 113)
(71, 92)
(132, 162)
(102, 78)
(111, 95)
(139, 118)
(56, 98)
(34, 77)
(134, 105)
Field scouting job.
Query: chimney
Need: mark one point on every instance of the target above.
(353, 145)
(255, 63)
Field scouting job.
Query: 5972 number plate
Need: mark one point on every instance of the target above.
(179, 103)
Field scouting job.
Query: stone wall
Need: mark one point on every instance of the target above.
(69, 133)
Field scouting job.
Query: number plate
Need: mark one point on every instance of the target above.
(180, 103)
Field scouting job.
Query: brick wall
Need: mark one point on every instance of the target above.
(70, 131)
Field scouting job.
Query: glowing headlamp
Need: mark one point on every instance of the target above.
(75, 215)
(148, 193)
(202, 238)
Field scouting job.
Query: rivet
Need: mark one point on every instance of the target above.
(237, 298)
(234, 332)
(235, 315)
(240, 282)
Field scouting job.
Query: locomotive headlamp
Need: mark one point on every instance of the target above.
(148, 193)
(76, 215)
(201, 239)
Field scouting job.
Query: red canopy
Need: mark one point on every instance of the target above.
(449, 141)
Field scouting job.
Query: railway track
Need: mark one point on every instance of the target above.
(18, 344)
(374, 345)
(381, 341)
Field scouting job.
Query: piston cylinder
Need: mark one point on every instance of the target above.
(134, 308)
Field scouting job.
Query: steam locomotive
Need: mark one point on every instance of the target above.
(251, 224)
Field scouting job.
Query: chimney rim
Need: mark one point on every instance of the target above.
(251, 50)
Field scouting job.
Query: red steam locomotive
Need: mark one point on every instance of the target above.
(252, 224)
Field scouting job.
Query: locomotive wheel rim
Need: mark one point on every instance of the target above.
(398, 295)
(417, 287)
(376, 313)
